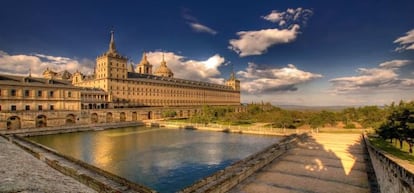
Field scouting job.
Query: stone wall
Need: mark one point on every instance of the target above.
(391, 176)
(224, 180)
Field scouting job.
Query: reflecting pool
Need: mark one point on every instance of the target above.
(166, 160)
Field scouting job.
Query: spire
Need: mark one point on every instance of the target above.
(30, 72)
(232, 76)
(112, 48)
(144, 59)
(163, 63)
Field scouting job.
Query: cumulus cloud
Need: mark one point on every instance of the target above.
(369, 79)
(20, 64)
(406, 42)
(256, 42)
(202, 28)
(201, 70)
(257, 79)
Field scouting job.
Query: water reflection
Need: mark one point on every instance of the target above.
(163, 159)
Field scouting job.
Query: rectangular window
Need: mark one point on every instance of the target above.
(40, 107)
(69, 94)
(52, 107)
(12, 92)
(0, 107)
(27, 107)
(51, 94)
(26, 93)
(0, 92)
(39, 93)
(13, 108)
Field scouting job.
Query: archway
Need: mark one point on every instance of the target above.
(94, 118)
(70, 119)
(108, 117)
(122, 117)
(41, 121)
(149, 115)
(134, 116)
(13, 122)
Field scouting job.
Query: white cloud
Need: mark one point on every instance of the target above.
(37, 63)
(406, 42)
(394, 63)
(200, 70)
(275, 16)
(256, 42)
(196, 25)
(290, 16)
(256, 79)
(201, 28)
(384, 77)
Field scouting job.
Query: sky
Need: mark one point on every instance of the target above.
(312, 53)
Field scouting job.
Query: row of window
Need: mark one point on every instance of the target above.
(28, 107)
(26, 93)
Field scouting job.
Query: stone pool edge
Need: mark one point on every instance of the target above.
(93, 177)
(224, 180)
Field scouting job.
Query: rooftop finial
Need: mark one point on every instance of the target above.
(30, 72)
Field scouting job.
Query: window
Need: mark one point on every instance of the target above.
(26, 93)
(40, 107)
(27, 107)
(51, 94)
(0, 107)
(12, 92)
(13, 108)
(52, 107)
(69, 94)
(39, 93)
(0, 92)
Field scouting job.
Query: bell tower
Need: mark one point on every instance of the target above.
(233, 82)
(111, 64)
(144, 67)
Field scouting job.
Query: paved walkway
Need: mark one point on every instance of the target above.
(21, 172)
(325, 163)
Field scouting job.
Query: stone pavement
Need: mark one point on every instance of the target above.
(21, 172)
(325, 163)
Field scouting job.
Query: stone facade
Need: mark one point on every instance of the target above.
(114, 93)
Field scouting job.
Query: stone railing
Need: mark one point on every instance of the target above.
(224, 180)
(391, 176)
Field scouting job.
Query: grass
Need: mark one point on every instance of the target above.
(392, 149)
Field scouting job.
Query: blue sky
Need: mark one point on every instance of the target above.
(312, 53)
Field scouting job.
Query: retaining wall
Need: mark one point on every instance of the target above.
(391, 176)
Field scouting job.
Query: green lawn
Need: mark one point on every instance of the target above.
(393, 149)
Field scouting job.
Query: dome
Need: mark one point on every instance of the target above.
(163, 70)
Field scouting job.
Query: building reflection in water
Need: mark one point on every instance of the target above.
(165, 159)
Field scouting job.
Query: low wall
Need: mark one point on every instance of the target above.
(224, 180)
(100, 186)
(391, 176)
(72, 128)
